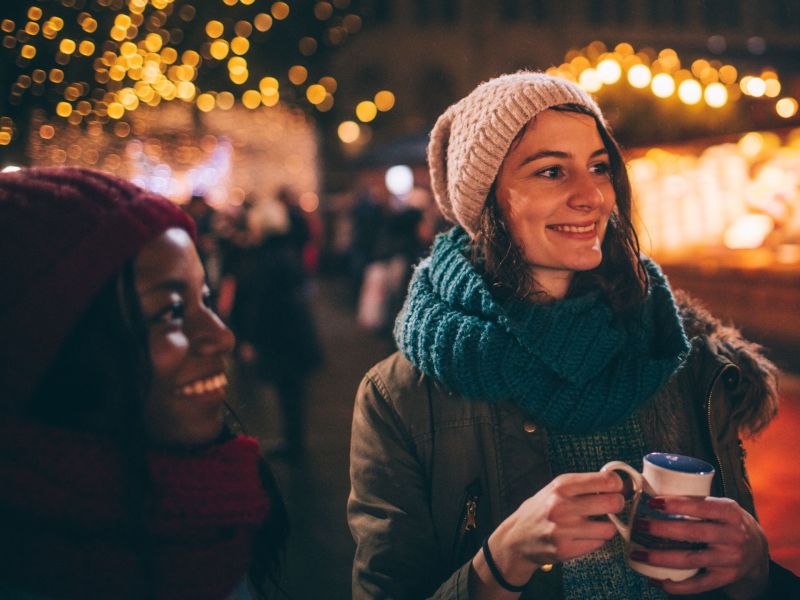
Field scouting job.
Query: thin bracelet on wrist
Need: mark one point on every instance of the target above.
(498, 577)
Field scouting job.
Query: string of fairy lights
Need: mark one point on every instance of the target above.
(140, 58)
(665, 76)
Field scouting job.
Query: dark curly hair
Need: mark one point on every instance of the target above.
(621, 275)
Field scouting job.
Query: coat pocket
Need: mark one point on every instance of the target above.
(465, 540)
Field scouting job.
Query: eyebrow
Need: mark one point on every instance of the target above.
(556, 154)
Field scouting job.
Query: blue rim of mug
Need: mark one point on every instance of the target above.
(679, 463)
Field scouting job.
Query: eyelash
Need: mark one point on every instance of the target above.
(602, 168)
(169, 314)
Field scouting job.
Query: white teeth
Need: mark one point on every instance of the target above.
(204, 385)
(574, 228)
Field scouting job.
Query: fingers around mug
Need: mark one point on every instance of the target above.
(598, 504)
(702, 507)
(688, 530)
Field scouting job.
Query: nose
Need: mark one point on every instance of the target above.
(212, 336)
(587, 194)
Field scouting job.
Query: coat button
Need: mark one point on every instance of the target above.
(547, 567)
(529, 426)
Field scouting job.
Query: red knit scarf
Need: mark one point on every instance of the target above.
(66, 529)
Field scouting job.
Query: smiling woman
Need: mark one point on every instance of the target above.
(536, 344)
(120, 478)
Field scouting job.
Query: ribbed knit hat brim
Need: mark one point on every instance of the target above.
(472, 137)
(63, 233)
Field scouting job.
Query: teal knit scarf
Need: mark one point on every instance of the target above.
(566, 362)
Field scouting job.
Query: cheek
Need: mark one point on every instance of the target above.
(167, 352)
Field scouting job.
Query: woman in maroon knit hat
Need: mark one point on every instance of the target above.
(119, 476)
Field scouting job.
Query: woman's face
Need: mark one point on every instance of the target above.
(555, 194)
(188, 343)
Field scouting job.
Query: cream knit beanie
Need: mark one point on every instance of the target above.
(470, 140)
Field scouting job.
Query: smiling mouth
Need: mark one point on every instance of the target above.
(574, 228)
(204, 386)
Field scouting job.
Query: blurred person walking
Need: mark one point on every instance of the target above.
(536, 345)
(120, 477)
(278, 343)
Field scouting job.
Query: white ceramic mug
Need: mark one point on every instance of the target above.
(664, 474)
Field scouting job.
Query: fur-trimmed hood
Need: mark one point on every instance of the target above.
(755, 393)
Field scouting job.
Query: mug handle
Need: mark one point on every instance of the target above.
(637, 479)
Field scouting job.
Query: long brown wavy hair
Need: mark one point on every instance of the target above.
(620, 276)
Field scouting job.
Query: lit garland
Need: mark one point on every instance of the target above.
(94, 68)
(712, 82)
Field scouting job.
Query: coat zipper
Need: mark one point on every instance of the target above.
(717, 461)
(468, 520)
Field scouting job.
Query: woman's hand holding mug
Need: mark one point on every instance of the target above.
(676, 529)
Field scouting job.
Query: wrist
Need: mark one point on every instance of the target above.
(499, 564)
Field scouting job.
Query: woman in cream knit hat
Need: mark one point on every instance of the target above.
(535, 345)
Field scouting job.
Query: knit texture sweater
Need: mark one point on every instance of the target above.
(569, 363)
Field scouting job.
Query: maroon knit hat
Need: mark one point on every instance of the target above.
(63, 233)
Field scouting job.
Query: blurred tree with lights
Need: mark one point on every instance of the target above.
(92, 63)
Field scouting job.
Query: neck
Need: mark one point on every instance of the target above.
(549, 284)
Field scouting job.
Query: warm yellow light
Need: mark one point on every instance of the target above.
(56, 75)
(748, 231)
(624, 49)
(169, 55)
(46, 132)
(123, 21)
(7, 25)
(751, 144)
(128, 98)
(89, 25)
(590, 80)
(349, 131)
(128, 49)
(772, 88)
(5, 138)
(610, 71)
(225, 100)
(153, 42)
(86, 47)
(214, 29)
(316, 93)
(251, 99)
(262, 22)
(728, 74)
(663, 85)
(185, 90)
(205, 102)
(240, 76)
(219, 49)
(236, 65)
(715, 95)
(639, 76)
(756, 87)
(240, 45)
(280, 10)
(786, 107)
(270, 99)
(191, 58)
(366, 111)
(27, 51)
(298, 74)
(700, 66)
(384, 100)
(32, 28)
(690, 91)
(63, 109)
(268, 83)
(116, 110)
(34, 13)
